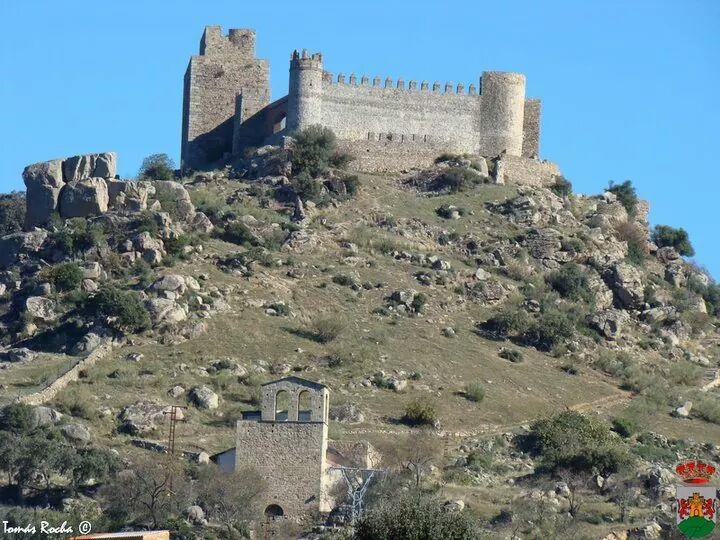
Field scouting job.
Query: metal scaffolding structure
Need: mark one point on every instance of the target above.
(357, 481)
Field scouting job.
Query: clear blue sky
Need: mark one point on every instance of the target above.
(629, 88)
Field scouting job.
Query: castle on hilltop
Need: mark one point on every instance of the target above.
(386, 125)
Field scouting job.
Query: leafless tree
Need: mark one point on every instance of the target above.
(416, 455)
(577, 483)
(230, 499)
(150, 491)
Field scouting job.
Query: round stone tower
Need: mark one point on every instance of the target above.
(502, 112)
(305, 92)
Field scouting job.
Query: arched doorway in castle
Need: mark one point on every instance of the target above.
(273, 512)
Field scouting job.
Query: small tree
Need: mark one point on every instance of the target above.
(562, 187)
(626, 194)
(576, 482)
(666, 236)
(150, 491)
(420, 413)
(230, 499)
(157, 167)
(65, 276)
(316, 150)
(415, 517)
(123, 309)
(570, 282)
(12, 212)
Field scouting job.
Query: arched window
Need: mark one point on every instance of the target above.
(304, 406)
(273, 512)
(282, 406)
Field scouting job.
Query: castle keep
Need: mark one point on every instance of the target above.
(385, 124)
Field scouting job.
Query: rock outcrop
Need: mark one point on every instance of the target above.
(73, 187)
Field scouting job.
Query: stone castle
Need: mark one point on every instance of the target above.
(386, 125)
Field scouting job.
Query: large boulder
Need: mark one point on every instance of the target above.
(171, 283)
(165, 310)
(41, 308)
(347, 413)
(143, 417)
(128, 195)
(76, 433)
(45, 416)
(43, 182)
(83, 198)
(14, 245)
(103, 165)
(609, 322)
(177, 196)
(204, 398)
(626, 282)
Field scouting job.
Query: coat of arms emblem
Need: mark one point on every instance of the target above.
(697, 499)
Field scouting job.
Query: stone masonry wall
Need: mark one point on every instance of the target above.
(353, 112)
(291, 457)
(530, 172)
(225, 67)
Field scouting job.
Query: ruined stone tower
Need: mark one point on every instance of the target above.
(287, 445)
(224, 81)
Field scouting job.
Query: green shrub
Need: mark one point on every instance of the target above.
(707, 407)
(176, 245)
(511, 320)
(238, 233)
(626, 194)
(308, 188)
(570, 282)
(513, 355)
(685, 373)
(12, 212)
(666, 236)
(418, 302)
(344, 280)
(352, 185)
(157, 167)
(574, 441)
(446, 210)
(456, 179)
(78, 236)
(327, 329)
(475, 391)
(455, 158)
(315, 150)
(636, 240)
(412, 516)
(551, 328)
(65, 276)
(623, 426)
(420, 413)
(562, 187)
(124, 309)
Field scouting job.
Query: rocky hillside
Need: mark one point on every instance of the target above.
(436, 298)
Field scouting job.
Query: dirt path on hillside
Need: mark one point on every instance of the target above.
(597, 406)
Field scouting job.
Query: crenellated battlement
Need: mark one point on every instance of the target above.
(387, 120)
(412, 86)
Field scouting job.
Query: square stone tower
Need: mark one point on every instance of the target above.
(287, 445)
(225, 69)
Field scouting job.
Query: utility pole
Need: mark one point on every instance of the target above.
(175, 415)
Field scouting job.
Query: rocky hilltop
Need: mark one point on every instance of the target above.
(437, 298)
